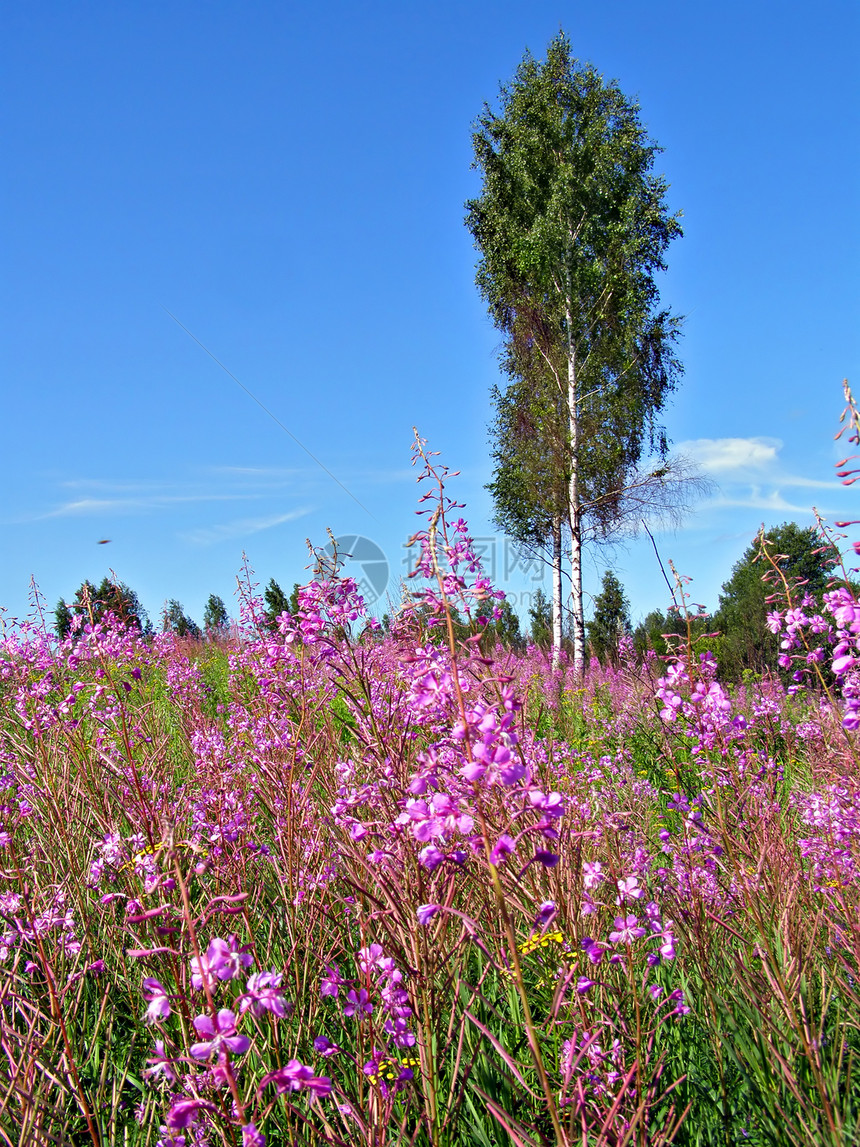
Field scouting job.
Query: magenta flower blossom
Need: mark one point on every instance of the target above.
(224, 959)
(324, 1046)
(626, 930)
(294, 1076)
(185, 1112)
(583, 985)
(545, 913)
(667, 948)
(331, 981)
(251, 1137)
(628, 889)
(157, 999)
(502, 849)
(160, 1064)
(680, 1009)
(262, 995)
(357, 1002)
(221, 1033)
(426, 912)
(593, 950)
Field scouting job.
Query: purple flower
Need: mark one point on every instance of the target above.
(593, 950)
(626, 930)
(371, 957)
(294, 1076)
(158, 1001)
(680, 1009)
(667, 948)
(221, 1032)
(324, 1046)
(431, 857)
(160, 1064)
(357, 1002)
(331, 981)
(426, 912)
(545, 913)
(502, 849)
(263, 995)
(185, 1112)
(583, 985)
(223, 959)
(628, 889)
(251, 1137)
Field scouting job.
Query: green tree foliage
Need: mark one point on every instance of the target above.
(529, 487)
(572, 227)
(611, 619)
(276, 602)
(651, 632)
(92, 602)
(540, 618)
(745, 643)
(176, 620)
(505, 629)
(215, 617)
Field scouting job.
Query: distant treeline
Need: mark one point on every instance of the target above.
(737, 630)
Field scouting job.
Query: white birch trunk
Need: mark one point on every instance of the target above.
(556, 593)
(574, 505)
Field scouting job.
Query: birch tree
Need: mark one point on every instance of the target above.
(572, 226)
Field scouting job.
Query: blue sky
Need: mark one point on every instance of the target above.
(288, 181)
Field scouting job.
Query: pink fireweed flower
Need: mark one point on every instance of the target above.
(224, 959)
(331, 981)
(501, 850)
(227, 959)
(628, 889)
(157, 999)
(294, 1076)
(680, 1009)
(221, 1033)
(593, 950)
(160, 1064)
(262, 995)
(550, 804)
(545, 913)
(372, 958)
(426, 912)
(626, 930)
(251, 1137)
(357, 1003)
(667, 948)
(185, 1112)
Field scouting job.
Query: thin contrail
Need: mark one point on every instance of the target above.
(273, 417)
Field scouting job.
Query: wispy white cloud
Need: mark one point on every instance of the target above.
(756, 499)
(286, 474)
(241, 528)
(724, 455)
(91, 507)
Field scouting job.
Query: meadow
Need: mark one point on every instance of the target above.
(322, 884)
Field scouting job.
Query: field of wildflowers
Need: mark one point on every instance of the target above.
(325, 885)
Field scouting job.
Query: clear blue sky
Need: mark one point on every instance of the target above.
(288, 180)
